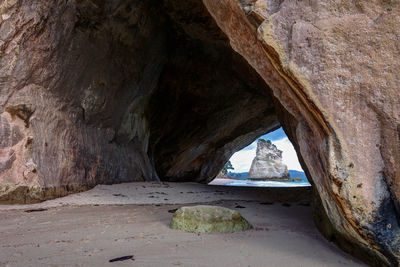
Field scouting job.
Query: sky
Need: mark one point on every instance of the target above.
(242, 159)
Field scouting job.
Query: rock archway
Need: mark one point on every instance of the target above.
(326, 64)
(96, 91)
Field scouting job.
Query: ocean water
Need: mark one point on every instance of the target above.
(267, 183)
(245, 182)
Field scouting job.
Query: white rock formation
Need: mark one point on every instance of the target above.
(268, 163)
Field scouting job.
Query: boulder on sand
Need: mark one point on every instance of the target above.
(204, 218)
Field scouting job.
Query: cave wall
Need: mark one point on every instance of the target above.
(74, 76)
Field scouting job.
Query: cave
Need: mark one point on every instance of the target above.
(96, 92)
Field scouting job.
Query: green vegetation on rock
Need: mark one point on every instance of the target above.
(228, 166)
(204, 219)
(265, 141)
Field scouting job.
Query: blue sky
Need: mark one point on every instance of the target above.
(242, 159)
(273, 136)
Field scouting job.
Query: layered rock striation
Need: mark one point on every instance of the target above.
(267, 164)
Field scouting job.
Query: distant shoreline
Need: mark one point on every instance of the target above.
(297, 178)
(270, 179)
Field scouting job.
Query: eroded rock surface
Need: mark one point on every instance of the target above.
(69, 73)
(267, 164)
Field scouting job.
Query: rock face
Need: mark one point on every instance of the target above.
(205, 219)
(267, 164)
(333, 66)
(70, 76)
(95, 91)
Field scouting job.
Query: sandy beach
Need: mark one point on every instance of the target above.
(110, 221)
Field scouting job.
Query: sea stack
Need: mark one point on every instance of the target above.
(267, 164)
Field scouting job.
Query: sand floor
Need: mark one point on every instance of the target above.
(90, 228)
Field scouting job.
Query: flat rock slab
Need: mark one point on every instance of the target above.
(205, 219)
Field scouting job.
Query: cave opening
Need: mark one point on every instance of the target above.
(217, 103)
(221, 94)
(209, 102)
(269, 161)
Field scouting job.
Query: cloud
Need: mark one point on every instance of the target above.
(289, 155)
(242, 159)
